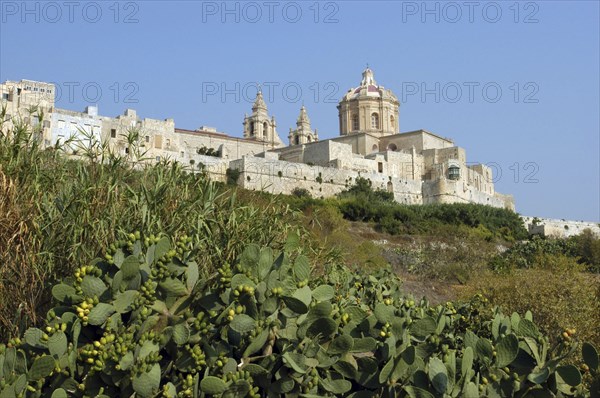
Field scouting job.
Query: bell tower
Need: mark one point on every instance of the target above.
(259, 126)
(303, 133)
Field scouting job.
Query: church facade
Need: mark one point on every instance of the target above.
(418, 167)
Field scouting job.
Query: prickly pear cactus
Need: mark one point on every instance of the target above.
(145, 321)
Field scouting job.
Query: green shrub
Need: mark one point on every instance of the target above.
(301, 193)
(526, 254)
(587, 247)
(232, 176)
(361, 203)
(143, 321)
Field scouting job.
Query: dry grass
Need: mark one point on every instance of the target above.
(559, 298)
(21, 284)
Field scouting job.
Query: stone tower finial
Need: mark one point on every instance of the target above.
(368, 79)
(303, 118)
(259, 102)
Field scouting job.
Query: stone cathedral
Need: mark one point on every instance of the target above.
(418, 167)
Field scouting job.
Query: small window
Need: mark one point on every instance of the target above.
(168, 143)
(182, 153)
(5, 96)
(113, 133)
(392, 123)
(147, 138)
(296, 140)
(127, 149)
(454, 172)
(380, 167)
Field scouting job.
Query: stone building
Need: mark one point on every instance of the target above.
(418, 167)
(28, 101)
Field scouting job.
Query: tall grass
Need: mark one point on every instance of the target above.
(58, 212)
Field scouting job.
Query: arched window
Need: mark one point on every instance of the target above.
(309, 138)
(296, 140)
(392, 123)
(392, 147)
(355, 126)
(375, 121)
(265, 129)
(375, 148)
(251, 129)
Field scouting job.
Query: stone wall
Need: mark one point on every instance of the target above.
(229, 147)
(449, 191)
(558, 228)
(276, 176)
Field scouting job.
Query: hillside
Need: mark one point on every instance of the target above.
(119, 277)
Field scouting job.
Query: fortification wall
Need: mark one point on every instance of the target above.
(443, 190)
(277, 176)
(558, 228)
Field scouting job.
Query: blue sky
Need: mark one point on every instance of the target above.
(515, 83)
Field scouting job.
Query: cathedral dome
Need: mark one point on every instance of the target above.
(368, 88)
(369, 108)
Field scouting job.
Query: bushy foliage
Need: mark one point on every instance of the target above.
(57, 211)
(232, 176)
(143, 320)
(203, 150)
(301, 193)
(587, 247)
(361, 203)
(528, 253)
(363, 189)
(583, 248)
